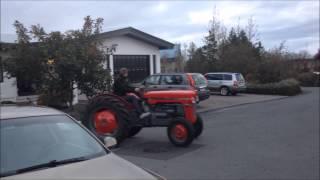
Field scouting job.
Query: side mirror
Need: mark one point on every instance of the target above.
(109, 141)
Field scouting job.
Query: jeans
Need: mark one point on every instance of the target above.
(135, 102)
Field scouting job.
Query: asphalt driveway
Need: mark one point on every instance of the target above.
(276, 139)
(216, 101)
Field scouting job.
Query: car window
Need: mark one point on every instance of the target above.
(172, 80)
(239, 77)
(214, 76)
(199, 80)
(227, 77)
(209, 77)
(32, 141)
(152, 80)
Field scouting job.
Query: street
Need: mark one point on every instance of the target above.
(277, 139)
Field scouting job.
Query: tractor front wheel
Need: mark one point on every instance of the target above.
(180, 132)
(107, 116)
(198, 126)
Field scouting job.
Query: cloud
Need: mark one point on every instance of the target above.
(161, 7)
(200, 17)
(194, 37)
(176, 21)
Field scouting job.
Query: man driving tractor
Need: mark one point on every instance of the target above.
(121, 114)
(121, 87)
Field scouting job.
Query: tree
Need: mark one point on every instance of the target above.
(179, 59)
(211, 45)
(198, 62)
(25, 63)
(62, 61)
(22, 33)
(191, 50)
(238, 54)
(251, 30)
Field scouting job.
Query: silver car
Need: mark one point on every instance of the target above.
(226, 83)
(43, 143)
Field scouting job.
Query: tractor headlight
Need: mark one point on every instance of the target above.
(194, 101)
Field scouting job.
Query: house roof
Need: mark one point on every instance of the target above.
(139, 35)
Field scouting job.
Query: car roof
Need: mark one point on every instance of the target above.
(15, 111)
(170, 74)
(195, 73)
(222, 73)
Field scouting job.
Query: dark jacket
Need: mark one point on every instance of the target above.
(121, 86)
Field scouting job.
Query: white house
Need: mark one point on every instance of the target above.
(8, 85)
(128, 47)
(135, 50)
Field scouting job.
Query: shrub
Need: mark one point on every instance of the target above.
(309, 79)
(288, 87)
(53, 100)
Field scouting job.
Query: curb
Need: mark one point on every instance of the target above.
(236, 105)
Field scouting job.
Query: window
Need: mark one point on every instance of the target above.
(172, 80)
(1, 70)
(227, 77)
(154, 63)
(108, 62)
(239, 77)
(199, 80)
(214, 77)
(152, 80)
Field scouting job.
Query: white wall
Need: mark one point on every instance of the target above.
(8, 89)
(131, 46)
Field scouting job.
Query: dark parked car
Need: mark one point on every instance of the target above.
(179, 81)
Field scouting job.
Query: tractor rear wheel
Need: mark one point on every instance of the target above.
(198, 126)
(107, 116)
(134, 131)
(180, 132)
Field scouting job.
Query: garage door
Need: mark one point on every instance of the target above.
(138, 66)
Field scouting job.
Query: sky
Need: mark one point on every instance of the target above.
(295, 22)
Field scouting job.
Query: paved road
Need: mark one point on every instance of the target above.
(216, 101)
(271, 140)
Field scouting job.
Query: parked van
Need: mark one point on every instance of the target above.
(226, 83)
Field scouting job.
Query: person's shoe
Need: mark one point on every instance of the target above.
(144, 115)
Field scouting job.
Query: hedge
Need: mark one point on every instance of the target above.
(288, 87)
(309, 79)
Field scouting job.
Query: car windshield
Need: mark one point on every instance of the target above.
(172, 80)
(31, 141)
(199, 80)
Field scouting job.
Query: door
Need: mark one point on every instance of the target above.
(138, 66)
(227, 80)
(214, 81)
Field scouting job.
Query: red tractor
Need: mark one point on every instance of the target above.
(111, 115)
